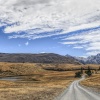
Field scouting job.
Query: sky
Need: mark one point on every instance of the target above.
(50, 26)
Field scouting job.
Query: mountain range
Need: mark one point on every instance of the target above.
(37, 58)
(89, 60)
(48, 58)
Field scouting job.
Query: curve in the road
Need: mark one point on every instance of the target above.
(77, 92)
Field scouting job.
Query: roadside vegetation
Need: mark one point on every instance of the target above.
(93, 82)
(87, 72)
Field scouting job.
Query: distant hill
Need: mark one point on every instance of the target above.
(37, 58)
(90, 60)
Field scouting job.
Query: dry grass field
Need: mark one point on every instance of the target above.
(93, 82)
(15, 69)
(35, 82)
(45, 87)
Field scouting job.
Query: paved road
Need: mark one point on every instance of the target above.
(76, 92)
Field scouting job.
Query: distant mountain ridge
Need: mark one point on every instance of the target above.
(89, 60)
(37, 58)
(48, 58)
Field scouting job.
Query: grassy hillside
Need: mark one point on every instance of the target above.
(13, 69)
(93, 82)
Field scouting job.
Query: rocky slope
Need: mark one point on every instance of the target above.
(89, 60)
(37, 58)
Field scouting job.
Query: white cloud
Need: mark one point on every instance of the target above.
(69, 15)
(89, 41)
(69, 43)
(27, 43)
(43, 52)
(93, 52)
(78, 47)
(33, 35)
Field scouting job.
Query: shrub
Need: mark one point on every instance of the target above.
(88, 72)
(78, 74)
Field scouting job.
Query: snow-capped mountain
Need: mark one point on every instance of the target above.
(83, 60)
(90, 60)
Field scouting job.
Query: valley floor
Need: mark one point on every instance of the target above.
(36, 83)
(32, 91)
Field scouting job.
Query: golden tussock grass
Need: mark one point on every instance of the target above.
(93, 81)
(36, 83)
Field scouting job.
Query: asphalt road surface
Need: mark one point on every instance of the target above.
(77, 92)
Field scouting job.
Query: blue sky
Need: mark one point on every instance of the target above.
(54, 26)
(48, 45)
